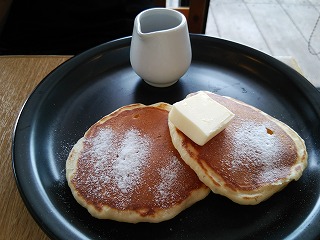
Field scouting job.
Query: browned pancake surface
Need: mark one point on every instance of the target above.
(128, 163)
(252, 151)
(252, 158)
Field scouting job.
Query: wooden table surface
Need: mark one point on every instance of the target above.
(18, 77)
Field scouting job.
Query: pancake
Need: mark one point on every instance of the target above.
(126, 168)
(254, 157)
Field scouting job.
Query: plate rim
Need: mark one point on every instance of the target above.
(298, 79)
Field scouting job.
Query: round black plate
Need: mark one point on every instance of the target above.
(93, 84)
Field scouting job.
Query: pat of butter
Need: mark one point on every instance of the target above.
(200, 117)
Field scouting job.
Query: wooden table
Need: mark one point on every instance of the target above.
(19, 75)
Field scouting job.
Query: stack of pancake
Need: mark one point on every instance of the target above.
(134, 165)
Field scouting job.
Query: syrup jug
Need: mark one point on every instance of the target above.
(160, 50)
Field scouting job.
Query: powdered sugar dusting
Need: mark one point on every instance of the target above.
(100, 143)
(254, 148)
(131, 157)
(169, 175)
(113, 164)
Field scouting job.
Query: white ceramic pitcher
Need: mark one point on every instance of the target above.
(160, 50)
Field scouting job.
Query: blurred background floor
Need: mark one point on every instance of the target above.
(276, 27)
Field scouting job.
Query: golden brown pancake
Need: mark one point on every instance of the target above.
(251, 159)
(125, 168)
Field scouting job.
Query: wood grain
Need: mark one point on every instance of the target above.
(18, 77)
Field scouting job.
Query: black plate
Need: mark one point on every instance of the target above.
(93, 84)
